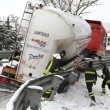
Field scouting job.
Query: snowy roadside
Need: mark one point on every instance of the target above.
(4, 98)
(5, 94)
(75, 99)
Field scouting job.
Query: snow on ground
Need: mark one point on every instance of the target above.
(75, 99)
(4, 98)
(5, 94)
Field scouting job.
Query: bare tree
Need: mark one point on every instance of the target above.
(15, 22)
(76, 7)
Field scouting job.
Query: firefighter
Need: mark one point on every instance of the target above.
(90, 79)
(55, 63)
(105, 77)
(15, 56)
(53, 66)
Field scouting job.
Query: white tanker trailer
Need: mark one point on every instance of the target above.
(50, 30)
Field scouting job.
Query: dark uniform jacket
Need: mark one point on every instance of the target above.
(15, 56)
(56, 62)
(90, 75)
(53, 65)
(106, 74)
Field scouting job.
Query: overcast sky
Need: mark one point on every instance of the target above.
(100, 12)
(16, 7)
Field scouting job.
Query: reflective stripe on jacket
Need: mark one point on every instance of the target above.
(17, 57)
(89, 72)
(47, 70)
(90, 75)
(108, 81)
(54, 64)
(90, 80)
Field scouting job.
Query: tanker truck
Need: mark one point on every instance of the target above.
(49, 30)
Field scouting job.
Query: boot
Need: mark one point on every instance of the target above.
(92, 103)
(47, 94)
(103, 90)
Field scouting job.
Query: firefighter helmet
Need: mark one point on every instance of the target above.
(62, 53)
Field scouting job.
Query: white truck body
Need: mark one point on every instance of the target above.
(50, 31)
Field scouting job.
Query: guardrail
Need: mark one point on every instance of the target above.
(30, 93)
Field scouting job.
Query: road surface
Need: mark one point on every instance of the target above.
(4, 98)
